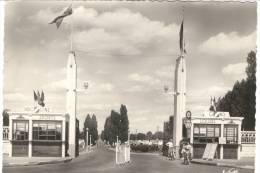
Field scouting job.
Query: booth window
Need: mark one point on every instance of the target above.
(206, 133)
(46, 130)
(231, 133)
(20, 130)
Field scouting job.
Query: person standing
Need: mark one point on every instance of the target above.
(171, 154)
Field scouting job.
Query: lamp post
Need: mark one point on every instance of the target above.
(128, 137)
(90, 142)
(87, 139)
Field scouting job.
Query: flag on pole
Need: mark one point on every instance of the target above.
(182, 42)
(58, 20)
(34, 96)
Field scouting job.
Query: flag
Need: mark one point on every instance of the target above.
(58, 20)
(34, 96)
(182, 42)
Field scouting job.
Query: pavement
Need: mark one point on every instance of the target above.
(102, 160)
(25, 161)
(244, 163)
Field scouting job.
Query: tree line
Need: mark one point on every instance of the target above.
(241, 100)
(147, 136)
(116, 124)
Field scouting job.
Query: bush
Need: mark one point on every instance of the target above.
(144, 148)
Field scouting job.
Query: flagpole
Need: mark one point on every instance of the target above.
(71, 29)
(183, 44)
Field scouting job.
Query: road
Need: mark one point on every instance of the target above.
(103, 160)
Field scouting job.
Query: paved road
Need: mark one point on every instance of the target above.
(103, 160)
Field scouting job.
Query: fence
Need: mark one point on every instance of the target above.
(122, 153)
(5, 133)
(248, 137)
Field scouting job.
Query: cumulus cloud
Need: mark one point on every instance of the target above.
(121, 31)
(197, 99)
(93, 87)
(136, 88)
(236, 71)
(227, 44)
(56, 85)
(143, 79)
(165, 71)
(19, 97)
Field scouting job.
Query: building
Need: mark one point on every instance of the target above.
(41, 134)
(215, 127)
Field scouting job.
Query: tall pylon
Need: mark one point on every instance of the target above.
(180, 94)
(71, 105)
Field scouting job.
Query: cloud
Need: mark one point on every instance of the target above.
(236, 71)
(136, 88)
(18, 97)
(56, 85)
(165, 71)
(106, 87)
(227, 44)
(198, 99)
(143, 79)
(120, 31)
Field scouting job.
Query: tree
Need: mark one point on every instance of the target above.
(94, 131)
(116, 124)
(5, 118)
(140, 136)
(124, 124)
(149, 135)
(158, 135)
(91, 124)
(241, 100)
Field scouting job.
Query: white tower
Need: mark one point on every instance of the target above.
(179, 100)
(180, 95)
(72, 101)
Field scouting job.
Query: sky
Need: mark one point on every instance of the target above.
(126, 51)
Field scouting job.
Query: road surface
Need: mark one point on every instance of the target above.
(103, 160)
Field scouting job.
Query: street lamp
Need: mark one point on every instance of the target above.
(87, 138)
(128, 137)
(90, 142)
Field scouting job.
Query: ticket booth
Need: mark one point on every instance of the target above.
(219, 128)
(38, 134)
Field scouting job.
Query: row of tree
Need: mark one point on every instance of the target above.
(116, 124)
(90, 124)
(241, 101)
(148, 136)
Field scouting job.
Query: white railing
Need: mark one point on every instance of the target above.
(5, 133)
(248, 137)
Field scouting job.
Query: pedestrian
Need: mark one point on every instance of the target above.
(189, 150)
(171, 154)
(186, 153)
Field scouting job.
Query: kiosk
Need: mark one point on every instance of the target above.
(215, 127)
(41, 134)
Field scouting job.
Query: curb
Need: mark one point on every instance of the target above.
(37, 163)
(223, 165)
